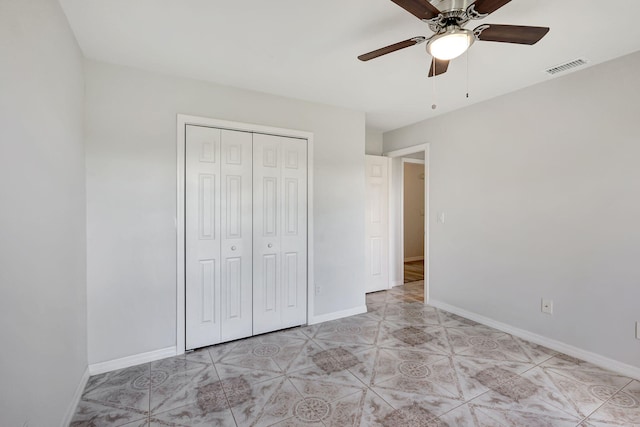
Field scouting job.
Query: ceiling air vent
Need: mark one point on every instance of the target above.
(566, 66)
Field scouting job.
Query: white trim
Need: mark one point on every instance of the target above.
(77, 395)
(136, 359)
(182, 121)
(391, 234)
(410, 160)
(427, 227)
(408, 150)
(180, 254)
(243, 127)
(596, 359)
(337, 315)
(397, 283)
(396, 201)
(414, 258)
(427, 183)
(311, 288)
(401, 219)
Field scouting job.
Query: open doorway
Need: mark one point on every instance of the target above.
(409, 222)
(413, 220)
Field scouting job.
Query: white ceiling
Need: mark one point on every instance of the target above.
(307, 49)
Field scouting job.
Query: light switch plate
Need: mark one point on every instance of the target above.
(547, 306)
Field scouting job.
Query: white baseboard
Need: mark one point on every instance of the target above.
(395, 283)
(414, 258)
(337, 315)
(71, 409)
(579, 353)
(136, 359)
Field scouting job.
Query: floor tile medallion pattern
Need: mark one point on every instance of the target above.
(401, 364)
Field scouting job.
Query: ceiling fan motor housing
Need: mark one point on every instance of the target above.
(448, 18)
(447, 5)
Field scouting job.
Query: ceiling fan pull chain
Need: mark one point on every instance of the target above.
(467, 59)
(433, 80)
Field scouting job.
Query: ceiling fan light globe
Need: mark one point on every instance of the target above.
(451, 44)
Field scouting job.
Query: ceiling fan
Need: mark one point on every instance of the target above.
(450, 39)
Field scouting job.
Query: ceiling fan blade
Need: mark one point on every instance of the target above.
(510, 33)
(438, 66)
(485, 7)
(392, 48)
(421, 9)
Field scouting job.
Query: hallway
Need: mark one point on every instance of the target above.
(413, 271)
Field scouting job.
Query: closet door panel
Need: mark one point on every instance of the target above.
(236, 238)
(294, 231)
(202, 236)
(280, 232)
(267, 305)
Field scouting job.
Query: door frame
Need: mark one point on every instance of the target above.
(184, 120)
(393, 220)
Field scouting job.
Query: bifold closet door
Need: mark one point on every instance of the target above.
(218, 242)
(279, 232)
(236, 235)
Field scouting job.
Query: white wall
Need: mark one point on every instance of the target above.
(373, 141)
(131, 198)
(413, 179)
(42, 215)
(541, 190)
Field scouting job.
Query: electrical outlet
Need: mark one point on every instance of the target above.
(547, 306)
(318, 289)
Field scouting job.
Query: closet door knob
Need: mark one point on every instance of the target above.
(270, 245)
(233, 248)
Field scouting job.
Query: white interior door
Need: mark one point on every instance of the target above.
(236, 235)
(293, 241)
(202, 236)
(280, 231)
(377, 223)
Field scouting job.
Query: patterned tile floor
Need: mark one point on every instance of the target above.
(401, 364)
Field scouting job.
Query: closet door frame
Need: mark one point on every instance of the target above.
(182, 121)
